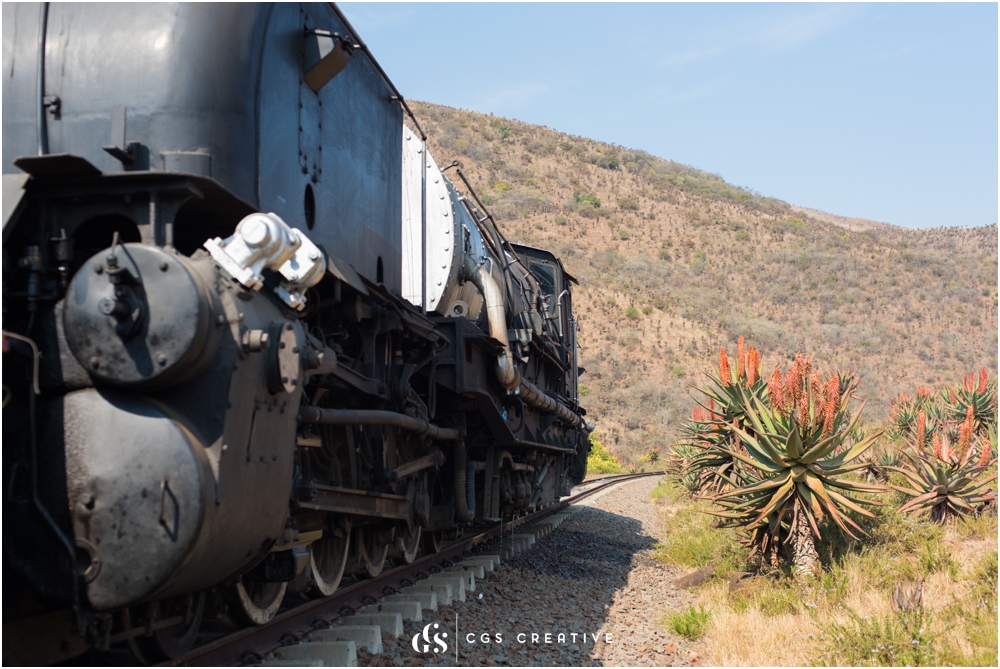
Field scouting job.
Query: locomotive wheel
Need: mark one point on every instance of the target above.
(368, 556)
(254, 602)
(404, 550)
(327, 559)
(431, 542)
(168, 643)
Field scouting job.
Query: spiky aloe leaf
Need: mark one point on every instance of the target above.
(945, 487)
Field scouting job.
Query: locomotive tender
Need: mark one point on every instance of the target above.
(254, 338)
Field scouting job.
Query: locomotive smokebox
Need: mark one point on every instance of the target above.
(139, 316)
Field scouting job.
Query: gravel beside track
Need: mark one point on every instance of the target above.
(594, 575)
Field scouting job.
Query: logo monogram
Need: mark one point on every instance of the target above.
(440, 645)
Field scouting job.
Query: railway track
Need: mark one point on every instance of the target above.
(360, 601)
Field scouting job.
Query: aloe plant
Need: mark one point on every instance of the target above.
(881, 459)
(797, 450)
(981, 397)
(904, 410)
(949, 481)
(710, 428)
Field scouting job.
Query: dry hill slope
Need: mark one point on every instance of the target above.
(674, 263)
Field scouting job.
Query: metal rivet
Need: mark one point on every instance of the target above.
(164, 266)
(95, 362)
(161, 359)
(98, 268)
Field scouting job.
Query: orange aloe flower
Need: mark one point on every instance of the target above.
(965, 434)
(982, 382)
(806, 370)
(724, 373)
(753, 366)
(984, 459)
(741, 360)
(790, 395)
(968, 380)
(921, 430)
(804, 413)
(774, 393)
(937, 447)
(815, 387)
(832, 404)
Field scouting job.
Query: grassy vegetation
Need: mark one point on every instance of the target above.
(844, 616)
(691, 623)
(690, 541)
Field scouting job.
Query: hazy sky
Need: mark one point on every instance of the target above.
(884, 111)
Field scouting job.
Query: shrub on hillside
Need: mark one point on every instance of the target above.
(608, 162)
(600, 460)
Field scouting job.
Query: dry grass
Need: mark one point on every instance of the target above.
(783, 621)
(743, 639)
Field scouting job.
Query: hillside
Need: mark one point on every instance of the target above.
(675, 263)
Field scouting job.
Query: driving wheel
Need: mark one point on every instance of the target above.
(254, 602)
(327, 560)
(368, 552)
(167, 643)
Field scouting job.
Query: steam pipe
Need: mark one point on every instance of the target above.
(315, 415)
(507, 373)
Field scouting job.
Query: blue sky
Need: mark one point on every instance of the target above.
(885, 111)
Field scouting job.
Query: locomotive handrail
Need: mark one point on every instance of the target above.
(396, 95)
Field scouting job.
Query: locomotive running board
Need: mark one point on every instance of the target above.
(354, 502)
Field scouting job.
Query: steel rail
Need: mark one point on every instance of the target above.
(250, 645)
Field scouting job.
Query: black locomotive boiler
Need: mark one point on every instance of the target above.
(254, 339)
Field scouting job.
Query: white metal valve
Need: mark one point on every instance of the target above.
(264, 241)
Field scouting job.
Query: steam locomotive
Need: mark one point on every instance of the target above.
(254, 338)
